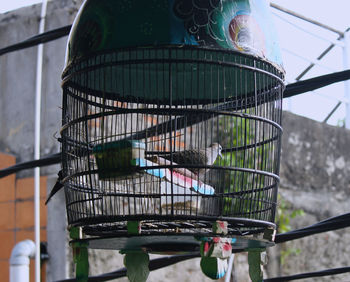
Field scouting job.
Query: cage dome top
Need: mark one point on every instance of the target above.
(237, 25)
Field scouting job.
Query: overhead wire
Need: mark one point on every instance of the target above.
(329, 224)
(154, 264)
(302, 17)
(292, 89)
(315, 62)
(326, 51)
(335, 42)
(37, 39)
(43, 161)
(322, 273)
(306, 85)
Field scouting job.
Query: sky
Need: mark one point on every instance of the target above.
(8, 5)
(298, 48)
(318, 104)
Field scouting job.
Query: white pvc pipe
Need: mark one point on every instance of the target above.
(19, 261)
(38, 85)
(229, 269)
(346, 65)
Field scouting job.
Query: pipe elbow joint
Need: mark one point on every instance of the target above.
(22, 252)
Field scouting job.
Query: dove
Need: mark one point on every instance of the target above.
(202, 157)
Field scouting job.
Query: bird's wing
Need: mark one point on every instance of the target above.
(190, 156)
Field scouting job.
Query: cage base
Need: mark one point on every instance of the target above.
(168, 243)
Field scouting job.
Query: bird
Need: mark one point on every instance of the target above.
(201, 157)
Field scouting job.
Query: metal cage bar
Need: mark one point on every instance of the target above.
(128, 116)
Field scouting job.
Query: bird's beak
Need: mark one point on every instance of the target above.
(220, 155)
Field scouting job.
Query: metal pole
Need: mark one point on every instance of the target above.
(346, 64)
(38, 84)
(314, 62)
(289, 12)
(332, 112)
(336, 42)
(324, 53)
(230, 267)
(292, 13)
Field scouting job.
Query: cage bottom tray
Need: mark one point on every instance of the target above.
(168, 243)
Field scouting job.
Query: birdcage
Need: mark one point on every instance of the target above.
(170, 121)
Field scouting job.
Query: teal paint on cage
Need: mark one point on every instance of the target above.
(117, 145)
(173, 49)
(115, 159)
(240, 25)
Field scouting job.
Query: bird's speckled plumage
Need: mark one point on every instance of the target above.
(202, 157)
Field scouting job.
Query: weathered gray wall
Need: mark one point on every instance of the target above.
(314, 170)
(17, 80)
(315, 177)
(17, 103)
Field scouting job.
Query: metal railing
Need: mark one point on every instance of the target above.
(342, 41)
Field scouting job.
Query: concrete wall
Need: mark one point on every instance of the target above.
(17, 80)
(315, 177)
(314, 170)
(17, 100)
